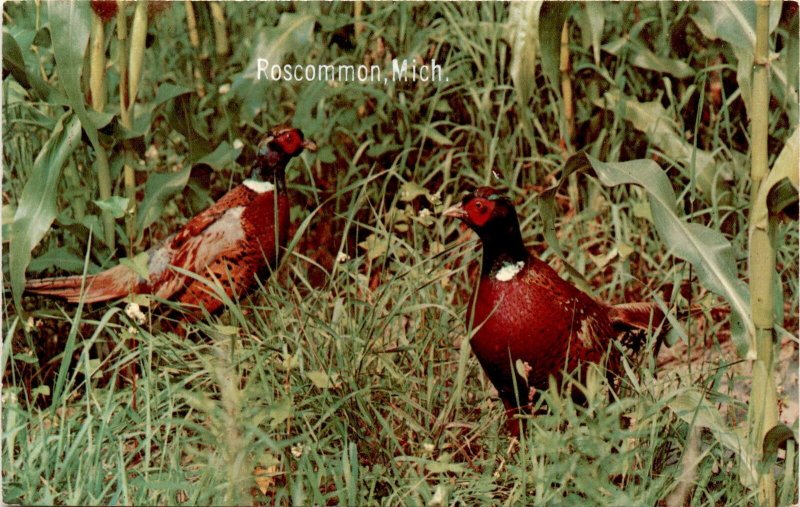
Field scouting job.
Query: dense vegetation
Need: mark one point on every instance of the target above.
(347, 377)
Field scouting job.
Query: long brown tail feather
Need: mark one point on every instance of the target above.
(636, 316)
(110, 284)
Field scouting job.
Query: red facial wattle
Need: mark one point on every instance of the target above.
(290, 142)
(479, 211)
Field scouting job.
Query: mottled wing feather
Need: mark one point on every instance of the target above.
(233, 280)
(239, 196)
(222, 238)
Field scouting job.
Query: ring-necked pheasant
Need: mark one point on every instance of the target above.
(238, 238)
(529, 319)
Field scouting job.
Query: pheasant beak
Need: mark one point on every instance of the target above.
(456, 211)
(310, 145)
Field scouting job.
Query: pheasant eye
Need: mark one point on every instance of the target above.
(290, 142)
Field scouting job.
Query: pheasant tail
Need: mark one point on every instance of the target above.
(113, 283)
(636, 316)
(634, 320)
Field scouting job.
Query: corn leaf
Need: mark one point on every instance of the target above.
(779, 190)
(652, 119)
(551, 20)
(707, 250)
(735, 23)
(69, 25)
(159, 187)
(37, 205)
(524, 27)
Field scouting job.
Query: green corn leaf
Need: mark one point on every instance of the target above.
(735, 23)
(592, 20)
(706, 249)
(69, 25)
(642, 57)
(159, 188)
(37, 204)
(145, 112)
(115, 205)
(14, 62)
(223, 156)
(551, 20)
(652, 119)
(779, 189)
(524, 27)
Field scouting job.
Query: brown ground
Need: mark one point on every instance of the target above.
(706, 357)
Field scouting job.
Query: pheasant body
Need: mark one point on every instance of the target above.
(539, 319)
(237, 239)
(530, 324)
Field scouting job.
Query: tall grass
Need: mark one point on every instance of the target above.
(348, 378)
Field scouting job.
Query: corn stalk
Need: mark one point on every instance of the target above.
(194, 40)
(138, 37)
(220, 32)
(122, 65)
(97, 87)
(566, 84)
(97, 66)
(358, 9)
(763, 413)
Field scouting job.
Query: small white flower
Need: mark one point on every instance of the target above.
(428, 447)
(342, 257)
(509, 271)
(424, 213)
(133, 311)
(151, 153)
(297, 451)
(439, 496)
(9, 396)
(225, 88)
(436, 198)
(238, 144)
